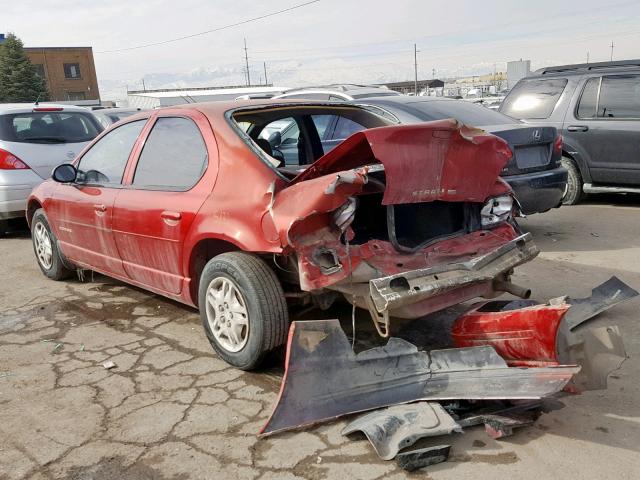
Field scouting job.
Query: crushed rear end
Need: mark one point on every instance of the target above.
(405, 220)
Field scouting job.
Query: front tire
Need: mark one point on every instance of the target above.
(45, 246)
(573, 193)
(242, 308)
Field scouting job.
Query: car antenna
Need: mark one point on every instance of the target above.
(38, 99)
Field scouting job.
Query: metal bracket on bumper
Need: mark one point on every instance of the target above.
(387, 293)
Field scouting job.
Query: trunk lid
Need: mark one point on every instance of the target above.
(42, 158)
(441, 160)
(532, 147)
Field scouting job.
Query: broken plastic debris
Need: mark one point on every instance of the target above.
(109, 365)
(423, 457)
(400, 426)
(315, 390)
(57, 348)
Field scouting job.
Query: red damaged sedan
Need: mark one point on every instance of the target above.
(235, 207)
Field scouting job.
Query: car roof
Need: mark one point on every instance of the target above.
(30, 107)
(404, 99)
(581, 68)
(347, 89)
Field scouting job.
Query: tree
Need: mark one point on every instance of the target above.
(18, 79)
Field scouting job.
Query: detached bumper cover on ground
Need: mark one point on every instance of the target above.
(325, 379)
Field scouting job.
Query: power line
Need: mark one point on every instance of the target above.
(164, 42)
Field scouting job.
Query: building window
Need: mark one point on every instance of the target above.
(72, 70)
(39, 68)
(75, 96)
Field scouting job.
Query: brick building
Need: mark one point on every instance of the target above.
(69, 72)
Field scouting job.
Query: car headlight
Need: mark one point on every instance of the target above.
(496, 210)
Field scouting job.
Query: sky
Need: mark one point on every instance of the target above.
(326, 41)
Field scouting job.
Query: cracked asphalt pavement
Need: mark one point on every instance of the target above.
(170, 409)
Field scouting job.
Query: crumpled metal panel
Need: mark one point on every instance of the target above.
(391, 429)
(413, 286)
(423, 162)
(325, 379)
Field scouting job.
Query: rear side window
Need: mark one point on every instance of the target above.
(589, 99)
(345, 127)
(174, 156)
(619, 97)
(48, 127)
(533, 98)
(105, 162)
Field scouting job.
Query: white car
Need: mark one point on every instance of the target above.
(34, 139)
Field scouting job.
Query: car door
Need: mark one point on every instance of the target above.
(173, 175)
(82, 212)
(605, 128)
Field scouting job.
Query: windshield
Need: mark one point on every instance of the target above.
(48, 127)
(533, 98)
(465, 112)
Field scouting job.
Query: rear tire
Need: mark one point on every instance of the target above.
(242, 308)
(45, 246)
(573, 193)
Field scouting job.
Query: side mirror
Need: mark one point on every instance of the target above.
(65, 173)
(275, 139)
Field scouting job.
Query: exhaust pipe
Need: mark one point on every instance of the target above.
(512, 288)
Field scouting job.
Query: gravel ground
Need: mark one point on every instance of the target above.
(171, 410)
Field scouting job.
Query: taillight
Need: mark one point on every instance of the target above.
(8, 161)
(557, 145)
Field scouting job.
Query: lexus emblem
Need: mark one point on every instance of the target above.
(537, 135)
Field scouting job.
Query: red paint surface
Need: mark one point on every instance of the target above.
(523, 337)
(440, 160)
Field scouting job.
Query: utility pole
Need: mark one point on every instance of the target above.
(264, 64)
(612, 45)
(246, 63)
(144, 88)
(415, 67)
(587, 57)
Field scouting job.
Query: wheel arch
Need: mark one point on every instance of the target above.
(576, 157)
(32, 205)
(203, 251)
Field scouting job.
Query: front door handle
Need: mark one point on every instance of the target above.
(577, 128)
(100, 208)
(171, 216)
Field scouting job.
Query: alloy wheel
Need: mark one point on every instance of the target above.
(227, 314)
(42, 241)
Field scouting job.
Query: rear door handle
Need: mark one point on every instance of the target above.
(173, 216)
(100, 208)
(577, 128)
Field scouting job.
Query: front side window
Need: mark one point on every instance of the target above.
(533, 98)
(619, 97)
(71, 70)
(174, 157)
(105, 162)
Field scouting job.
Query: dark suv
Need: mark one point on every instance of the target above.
(596, 107)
